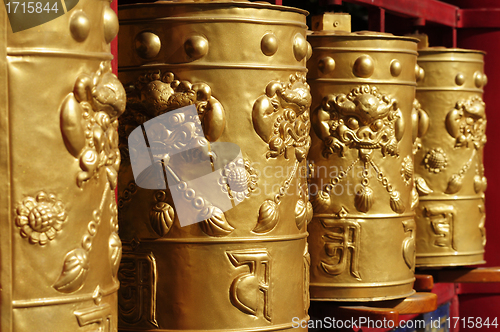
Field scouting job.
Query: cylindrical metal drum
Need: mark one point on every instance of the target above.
(362, 234)
(59, 156)
(242, 65)
(449, 172)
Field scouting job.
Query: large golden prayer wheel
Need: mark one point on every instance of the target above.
(242, 65)
(449, 172)
(59, 157)
(362, 234)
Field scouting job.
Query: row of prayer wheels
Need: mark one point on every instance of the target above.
(358, 157)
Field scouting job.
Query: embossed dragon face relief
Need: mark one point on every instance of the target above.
(154, 94)
(281, 117)
(362, 119)
(89, 122)
(467, 124)
(365, 120)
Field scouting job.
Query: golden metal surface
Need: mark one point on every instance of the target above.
(331, 21)
(242, 65)
(361, 238)
(449, 172)
(59, 104)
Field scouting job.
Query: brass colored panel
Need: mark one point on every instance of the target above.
(242, 65)
(331, 21)
(449, 170)
(59, 104)
(361, 238)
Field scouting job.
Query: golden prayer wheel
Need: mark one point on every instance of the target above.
(449, 172)
(59, 104)
(361, 238)
(242, 65)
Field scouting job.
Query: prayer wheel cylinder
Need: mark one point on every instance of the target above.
(361, 238)
(449, 172)
(59, 104)
(243, 66)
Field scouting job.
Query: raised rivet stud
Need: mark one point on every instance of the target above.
(79, 25)
(299, 47)
(326, 65)
(460, 79)
(110, 24)
(196, 47)
(364, 66)
(147, 45)
(269, 44)
(396, 68)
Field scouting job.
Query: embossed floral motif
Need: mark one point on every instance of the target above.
(89, 123)
(154, 94)
(281, 117)
(435, 160)
(365, 120)
(238, 179)
(40, 218)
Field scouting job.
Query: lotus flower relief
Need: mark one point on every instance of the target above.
(238, 179)
(40, 218)
(435, 160)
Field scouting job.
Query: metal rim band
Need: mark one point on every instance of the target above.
(429, 59)
(360, 216)
(457, 89)
(225, 19)
(363, 299)
(230, 240)
(365, 49)
(358, 81)
(11, 51)
(212, 66)
(229, 3)
(466, 253)
(364, 285)
(278, 327)
(453, 198)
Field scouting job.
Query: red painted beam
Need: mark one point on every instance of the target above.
(428, 10)
(479, 18)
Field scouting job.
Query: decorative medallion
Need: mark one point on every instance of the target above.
(40, 218)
